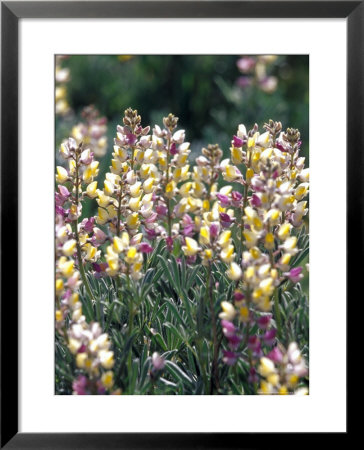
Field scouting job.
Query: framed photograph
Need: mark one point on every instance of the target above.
(170, 273)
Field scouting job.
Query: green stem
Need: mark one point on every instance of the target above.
(80, 265)
(167, 182)
(78, 245)
(118, 284)
(246, 187)
(199, 341)
(214, 382)
(246, 340)
(277, 312)
(130, 326)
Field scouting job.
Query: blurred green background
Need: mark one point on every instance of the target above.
(210, 94)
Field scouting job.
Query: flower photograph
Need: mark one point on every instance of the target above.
(181, 225)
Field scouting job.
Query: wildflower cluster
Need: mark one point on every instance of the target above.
(254, 70)
(281, 370)
(62, 77)
(92, 131)
(271, 208)
(173, 248)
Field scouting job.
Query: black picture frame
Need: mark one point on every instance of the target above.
(11, 12)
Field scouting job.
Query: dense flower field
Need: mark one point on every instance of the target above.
(187, 281)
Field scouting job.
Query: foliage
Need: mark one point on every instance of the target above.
(188, 278)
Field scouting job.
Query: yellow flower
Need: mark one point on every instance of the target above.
(132, 221)
(91, 189)
(135, 189)
(131, 255)
(107, 359)
(289, 245)
(234, 272)
(229, 311)
(108, 187)
(251, 238)
(269, 241)
(244, 314)
(134, 203)
(231, 173)
(283, 390)
(136, 270)
(284, 231)
(273, 379)
(206, 256)
(62, 174)
(74, 345)
(59, 285)
(91, 252)
(249, 174)
(236, 155)
(227, 254)
(74, 300)
(184, 190)
(266, 367)
(224, 238)
(301, 191)
(107, 379)
(69, 247)
(148, 185)
(265, 388)
(204, 235)
(102, 216)
(191, 247)
(103, 200)
(81, 359)
(66, 266)
(272, 216)
(170, 189)
(267, 286)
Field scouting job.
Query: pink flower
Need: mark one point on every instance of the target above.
(88, 224)
(169, 242)
(188, 230)
(244, 82)
(254, 345)
(269, 337)
(234, 341)
(229, 357)
(161, 210)
(246, 64)
(173, 150)
(157, 361)
(275, 355)
(214, 230)
(238, 296)
(264, 321)
(79, 385)
(226, 220)
(223, 199)
(131, 138)
(256, 201)
(253, 377)
(295, 274)
(228, 328)
(145, 248)
(238, 142)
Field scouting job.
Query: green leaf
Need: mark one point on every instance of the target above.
(178, 338)
(172, 308)
(192, 277)
(177, 373)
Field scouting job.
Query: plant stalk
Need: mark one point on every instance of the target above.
(78, 245)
